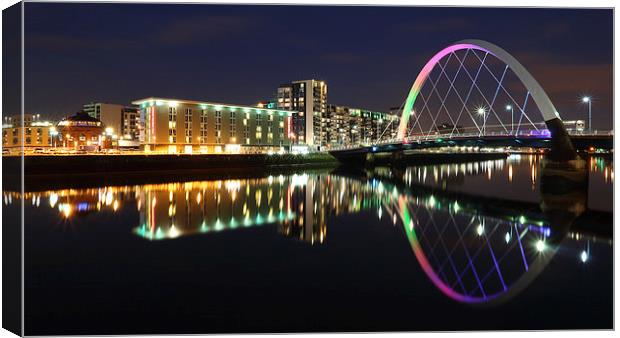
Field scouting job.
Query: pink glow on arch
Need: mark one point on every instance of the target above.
(422, 76)
(426, 266)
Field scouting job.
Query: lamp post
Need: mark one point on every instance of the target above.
(588, 100)
(53, 134)
(512, 118)
(482, 112)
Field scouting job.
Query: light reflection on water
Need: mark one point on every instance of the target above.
(473, 249)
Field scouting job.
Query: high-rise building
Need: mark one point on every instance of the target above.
(308, 101)
(183, 126)
(124, 120)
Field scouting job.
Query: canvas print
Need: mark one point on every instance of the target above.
(225, 168)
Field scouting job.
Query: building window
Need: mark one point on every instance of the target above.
(203, 126)
(270, 129)
(172, 125)
(233, 127)
(281, 128)
(246, 129)
(188, 125)
(218, 127)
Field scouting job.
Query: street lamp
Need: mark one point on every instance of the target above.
(482, 112)
(512, 118)
(588, 100)
(53, 134)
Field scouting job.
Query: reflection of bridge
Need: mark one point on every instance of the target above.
(474, 93)
(474, 249)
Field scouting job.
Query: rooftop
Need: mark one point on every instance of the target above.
(159, 101)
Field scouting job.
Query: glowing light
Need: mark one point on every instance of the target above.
(481, 111)
(507, 237)
(508, 107)
(584, 256)
(173, 103)
(53, 199)
(109, 197)
(432, 201)
(540, 246)
(522, 219)
(585, 99)
(66, 209)
(173, 232)
(480, 230)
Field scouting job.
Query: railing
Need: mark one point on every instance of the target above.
(431, 137)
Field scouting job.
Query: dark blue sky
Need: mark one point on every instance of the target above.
(370, 56)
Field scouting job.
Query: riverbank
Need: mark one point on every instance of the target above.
(84, 170)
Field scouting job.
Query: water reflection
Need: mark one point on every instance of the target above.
(474, 249)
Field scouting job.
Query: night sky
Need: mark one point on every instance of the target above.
(370, 56)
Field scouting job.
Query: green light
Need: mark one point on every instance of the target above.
(522, 219)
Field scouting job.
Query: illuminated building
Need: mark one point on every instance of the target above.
(308, 101)
(269, 104)
(82, 132)
(124, 121)
(183, 126)
(29, 132)
(352, 126)
(339, 131)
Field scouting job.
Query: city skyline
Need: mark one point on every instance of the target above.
(228, 53)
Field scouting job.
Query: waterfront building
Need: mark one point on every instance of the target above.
(82, 132)
(27, 131)
(372, 126)
(308, 101)
(184, 126)
(124, 121)
(353, 126)
(339, 126)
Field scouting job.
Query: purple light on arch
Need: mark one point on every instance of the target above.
(424, 73)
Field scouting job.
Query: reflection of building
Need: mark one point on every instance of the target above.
(308, 100)
(124, 121)
(81, 131)
(32, 134)
(181, 126)
(171, 210)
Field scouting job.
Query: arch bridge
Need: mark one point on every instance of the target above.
(474, 93)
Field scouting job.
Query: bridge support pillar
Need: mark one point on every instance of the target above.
(562, 149)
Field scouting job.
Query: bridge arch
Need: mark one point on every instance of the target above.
(562, 148)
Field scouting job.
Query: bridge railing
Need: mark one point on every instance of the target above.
(447, 136)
